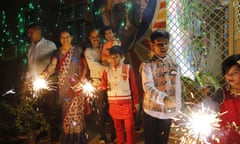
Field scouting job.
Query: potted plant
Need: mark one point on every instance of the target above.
(30, 121)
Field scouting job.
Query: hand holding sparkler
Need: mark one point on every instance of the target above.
(84, 86)
(39, 83)
(169, 102)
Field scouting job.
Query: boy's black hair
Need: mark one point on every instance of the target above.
(159, 34)
(116, 50)
(229, 62)
(109, 28)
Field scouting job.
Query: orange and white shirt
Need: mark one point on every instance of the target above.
(120, 84)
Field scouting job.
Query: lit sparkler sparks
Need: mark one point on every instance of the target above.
(86, 87)
(40, 84)
(233, 126)
(197, 124)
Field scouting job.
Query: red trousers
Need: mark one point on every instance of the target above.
(123, 119)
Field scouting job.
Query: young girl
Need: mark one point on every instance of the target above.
(228, 98)
(119, 81)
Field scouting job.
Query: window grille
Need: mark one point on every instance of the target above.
(199, 42)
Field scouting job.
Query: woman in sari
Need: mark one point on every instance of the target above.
(72, 69)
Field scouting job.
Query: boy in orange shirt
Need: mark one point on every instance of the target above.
(111, 41)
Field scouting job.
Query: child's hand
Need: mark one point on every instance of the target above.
(169, 102)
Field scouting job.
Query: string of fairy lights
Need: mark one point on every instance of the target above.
(16, 38)
(33, 12)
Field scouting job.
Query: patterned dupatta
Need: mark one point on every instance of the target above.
(64, 64)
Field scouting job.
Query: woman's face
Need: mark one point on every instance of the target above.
(233, 76)
(66, 38)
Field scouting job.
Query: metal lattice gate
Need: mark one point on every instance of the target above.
(199, 31)
(199, 37)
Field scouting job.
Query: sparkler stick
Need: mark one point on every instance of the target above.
(11, 91)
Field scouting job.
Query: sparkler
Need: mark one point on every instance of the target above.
(87, 88)
(89, 93)
(197, 124)
(39, 84)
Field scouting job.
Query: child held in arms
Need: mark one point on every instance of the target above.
(111, 41)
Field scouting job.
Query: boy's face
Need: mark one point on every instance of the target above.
(115, 59)
(160, 47)
(109, 35)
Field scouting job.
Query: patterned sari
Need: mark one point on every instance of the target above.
(70, 68)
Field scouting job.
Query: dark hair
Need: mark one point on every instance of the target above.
(109, 28)
(116, 50)
(159, 34)
(35, 26)
(93, 30)
(229, 62)
(66, 30)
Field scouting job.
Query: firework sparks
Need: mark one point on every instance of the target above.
(86, 87)
(197, 124)
(233, 126)
(39, 84)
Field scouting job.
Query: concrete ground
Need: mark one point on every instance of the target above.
(93, 136)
